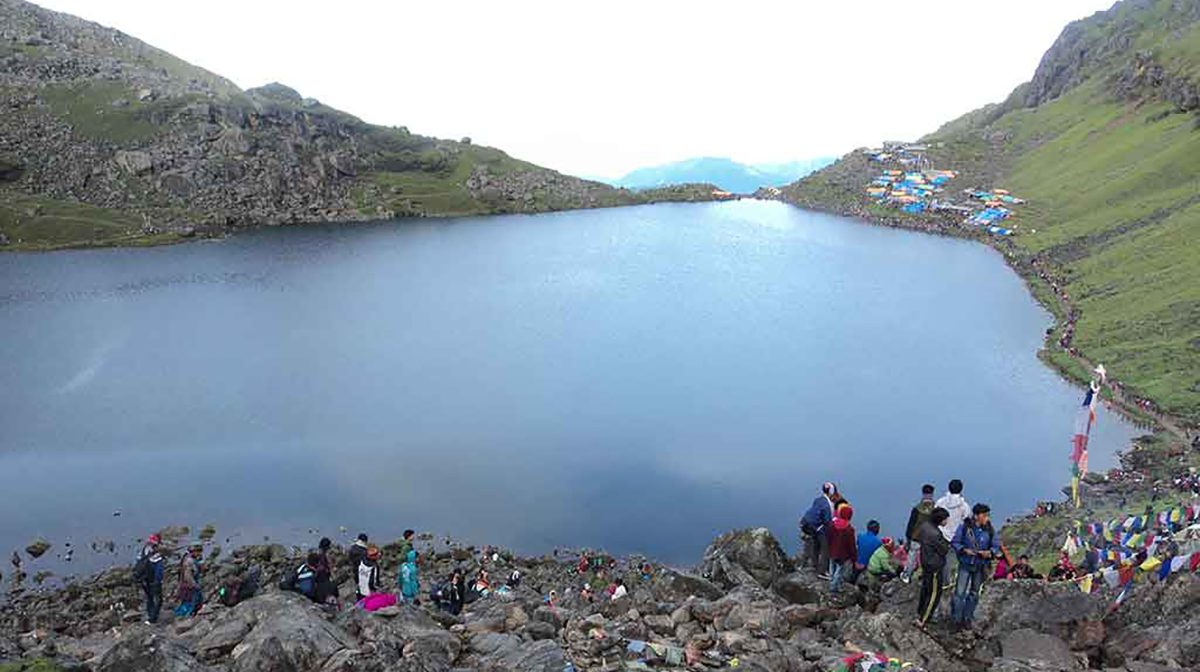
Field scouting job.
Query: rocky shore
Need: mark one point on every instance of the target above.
(743, 605)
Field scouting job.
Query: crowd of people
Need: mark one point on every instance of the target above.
(950, 542)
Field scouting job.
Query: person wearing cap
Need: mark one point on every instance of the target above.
(191, 592)
(884, 564)
(368, 574)
(153, 568)
(814, 526)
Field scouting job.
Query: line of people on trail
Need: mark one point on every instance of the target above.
(934, 529)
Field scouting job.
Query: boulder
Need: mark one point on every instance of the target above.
(38, 548)
(1030, 645)
(800, 588)
(744, 556)
(681, 586)
(139, 163)
(540, 630)
(896, 635)
(144, 650)
(543, 656)
(1051, 608)
(287, 631)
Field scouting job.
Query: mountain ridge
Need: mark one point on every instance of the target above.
(723, 172)
(108, 140)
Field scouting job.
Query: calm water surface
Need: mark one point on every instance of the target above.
(637, 379)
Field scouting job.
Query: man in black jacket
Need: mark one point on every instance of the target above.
(934, 548)
(919, 514)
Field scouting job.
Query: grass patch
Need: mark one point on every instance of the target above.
(89, 109)
(35, 223)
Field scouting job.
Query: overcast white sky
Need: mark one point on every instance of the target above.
(601, 88)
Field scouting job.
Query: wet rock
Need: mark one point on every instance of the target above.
(38, 548)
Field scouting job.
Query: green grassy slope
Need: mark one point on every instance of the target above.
(1107, 151)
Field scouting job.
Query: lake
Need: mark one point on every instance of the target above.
(635, 379)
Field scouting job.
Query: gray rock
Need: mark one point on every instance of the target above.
(744, 556)
(799, 588)
(540, 630)
(135, 163)
(144, 650)
(1030, 645)
(287, 632)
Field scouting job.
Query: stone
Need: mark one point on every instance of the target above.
(799, 588)
(38, 548)
(287, 632)
(743, 556)
(683, 585)
(138, 163)
(144, 650)
(662, 625)
(145, 95)
(1026, 644)
(540, 630)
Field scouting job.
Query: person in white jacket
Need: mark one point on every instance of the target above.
(959, 509)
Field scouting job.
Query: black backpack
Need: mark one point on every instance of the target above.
(141, 568)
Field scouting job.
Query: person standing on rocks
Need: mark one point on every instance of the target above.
(814, 525)
(958, 510)
(976, 544)
(934, 548)
(368, 574)
(149, 570)
(357, 552)
(406, 543)
(916, 517)
(843, 548)
(410, 584)
(191, 591)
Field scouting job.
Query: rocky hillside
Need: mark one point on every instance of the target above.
(743, 606)
(1104, 143)
(105, 139)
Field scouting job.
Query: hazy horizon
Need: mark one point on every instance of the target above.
(606, 92)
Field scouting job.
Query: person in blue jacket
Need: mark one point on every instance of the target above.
(410, 583)
(976, 544)
(148, 571)
(813, 526)
(868, 543)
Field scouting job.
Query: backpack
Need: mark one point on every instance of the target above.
(924, 511)
(141, 568)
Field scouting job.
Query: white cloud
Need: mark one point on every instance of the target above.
(601, 88)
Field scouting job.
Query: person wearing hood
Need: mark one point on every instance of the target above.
(959, 510)
(934, 549)
(149, 570)
(814, 526)
(919, 514)
(976, 544)
(410, 584)
(368, 574)
(357, 552)
(843, 548)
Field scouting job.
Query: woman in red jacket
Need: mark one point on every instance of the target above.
(843, 547)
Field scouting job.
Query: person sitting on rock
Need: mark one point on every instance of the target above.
(868, 542)
(618, 590)
(1064, 570)
(884, 564)
(191, 591)
(304, 579)
(368, 574)
(410, 584)
(843, 548)
(587, 594)
(1021, 569)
